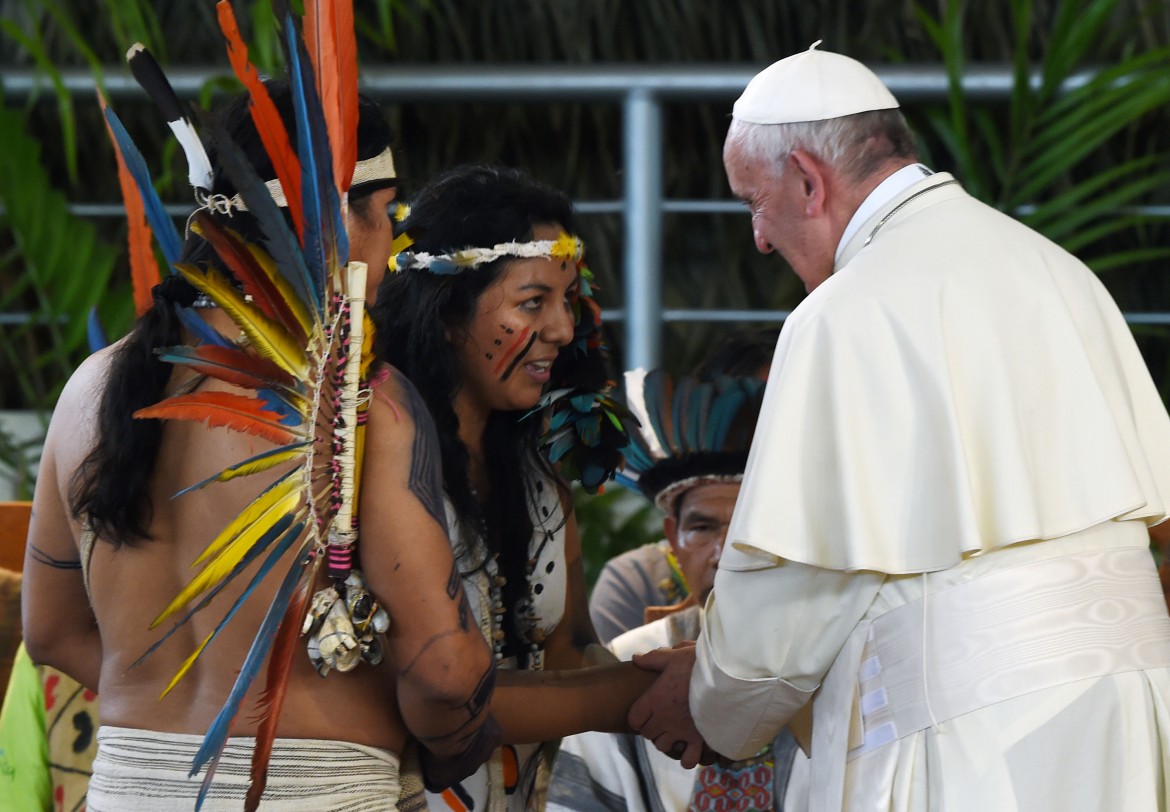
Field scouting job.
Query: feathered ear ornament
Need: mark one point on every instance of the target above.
(587, 428)
(299, 383)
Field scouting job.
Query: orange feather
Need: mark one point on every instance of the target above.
(332, 46)
(235, 412)
(269, 124)
(143, 266)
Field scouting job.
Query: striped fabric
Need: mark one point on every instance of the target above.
(140, 770)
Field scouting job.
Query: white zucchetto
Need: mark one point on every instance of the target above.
(811, 86)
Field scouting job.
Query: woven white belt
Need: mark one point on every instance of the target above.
(1007, 634)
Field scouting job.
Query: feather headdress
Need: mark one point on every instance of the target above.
(698, 431)
(300, 305)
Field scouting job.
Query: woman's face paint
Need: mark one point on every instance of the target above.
(521, 322)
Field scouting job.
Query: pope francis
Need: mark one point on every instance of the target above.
(941, 540)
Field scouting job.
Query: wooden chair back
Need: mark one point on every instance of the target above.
(14, 519)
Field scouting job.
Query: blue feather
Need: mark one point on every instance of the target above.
(332, 224)
(199, 328)
(636, 456)
(589, 428)
(304, 87)
(160, 221)
(697, 412)
(95, 334)
(584, 402)
(723, 414)
(592, 476)
(217, 735)
(559, 419)
(626, 480)
(562, 443)
(680, 413)
(274, 401)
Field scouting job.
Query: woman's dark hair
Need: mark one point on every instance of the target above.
(421, 317)
(111, 488)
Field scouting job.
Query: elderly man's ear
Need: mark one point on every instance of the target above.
(812, 175)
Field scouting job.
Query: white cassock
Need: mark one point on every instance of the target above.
(942, 530)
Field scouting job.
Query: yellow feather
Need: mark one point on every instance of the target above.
(306, 319)
(359, 450)
(257, 466)
(186, 666)
(367, 344)
(232, 547)
(402, 241)
(269, 338)
(260, 506)
(567, 246)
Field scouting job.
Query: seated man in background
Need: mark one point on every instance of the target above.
(650, 576)
(691, 470)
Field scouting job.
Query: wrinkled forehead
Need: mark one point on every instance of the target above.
(715, 497)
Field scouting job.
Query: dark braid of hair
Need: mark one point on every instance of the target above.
(416, 313)
(110, 491)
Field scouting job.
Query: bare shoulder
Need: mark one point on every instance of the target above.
(397, 409)
(74, 425)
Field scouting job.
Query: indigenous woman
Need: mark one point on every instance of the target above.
(487, 316)
(109, 547)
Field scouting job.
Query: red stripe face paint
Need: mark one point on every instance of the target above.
(526, 335)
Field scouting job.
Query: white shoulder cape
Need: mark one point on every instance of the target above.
(959, 384)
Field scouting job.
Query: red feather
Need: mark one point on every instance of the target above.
(237, 367)
(280, 661)
(236, 412)
(332, 46)
(269, 124)
(143, 267)
(247, 271)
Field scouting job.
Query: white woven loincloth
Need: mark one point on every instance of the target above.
(140, 770)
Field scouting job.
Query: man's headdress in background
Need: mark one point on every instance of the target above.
(690, 434)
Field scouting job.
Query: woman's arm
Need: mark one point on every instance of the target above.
(445, 672)
(537, 706)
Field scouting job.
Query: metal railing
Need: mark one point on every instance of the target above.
(641, 91)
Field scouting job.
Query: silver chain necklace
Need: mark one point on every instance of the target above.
(897, 208)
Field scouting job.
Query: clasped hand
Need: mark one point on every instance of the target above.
(662, 714)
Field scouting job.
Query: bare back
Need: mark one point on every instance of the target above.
(130, 585)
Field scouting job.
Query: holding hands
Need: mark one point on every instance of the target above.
(662, 714)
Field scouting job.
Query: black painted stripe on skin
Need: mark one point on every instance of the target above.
(519, 357)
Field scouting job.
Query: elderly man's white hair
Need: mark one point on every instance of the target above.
(855, 145)
(824, 103)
